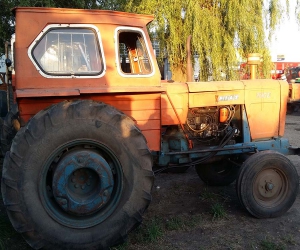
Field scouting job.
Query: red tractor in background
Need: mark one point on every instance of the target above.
(289, 69)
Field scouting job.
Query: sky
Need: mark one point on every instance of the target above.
(287, 38)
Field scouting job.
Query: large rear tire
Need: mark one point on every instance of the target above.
(78, 176)
(1, 125)
(8, 130)
(267, 184)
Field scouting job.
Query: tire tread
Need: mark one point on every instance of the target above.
(49, 119)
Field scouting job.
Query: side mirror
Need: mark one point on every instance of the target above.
(8, 62)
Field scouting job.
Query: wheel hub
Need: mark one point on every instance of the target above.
(83, 182)
(268, 185)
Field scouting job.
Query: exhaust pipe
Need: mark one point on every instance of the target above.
(189, 68)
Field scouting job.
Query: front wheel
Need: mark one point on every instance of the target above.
(78, 176)
(267, 184)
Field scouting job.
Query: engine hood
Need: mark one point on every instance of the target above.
(214, 86)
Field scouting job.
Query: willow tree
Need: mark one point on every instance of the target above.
(7, 22)
(223, 32)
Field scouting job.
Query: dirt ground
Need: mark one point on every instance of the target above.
(185, 196)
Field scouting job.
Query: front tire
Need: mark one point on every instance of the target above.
(78, 176)
(267, 184)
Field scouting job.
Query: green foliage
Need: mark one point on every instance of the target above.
(218, 211)
(154, 230)
(269, 244)
(175, 223)
(150, 231)
(208, 195)
(289, 239)
(123, 246)
(6, 24)
(223, 32)
(6, 231)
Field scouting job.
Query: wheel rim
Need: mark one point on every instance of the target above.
(81, 183)
(270, 187)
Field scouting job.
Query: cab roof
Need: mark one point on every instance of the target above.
(60, 15)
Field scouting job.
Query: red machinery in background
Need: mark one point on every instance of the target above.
(289, 69)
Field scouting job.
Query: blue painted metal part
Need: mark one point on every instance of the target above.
(56, 201)
(246, 130)
(175, 149)
(279, 144)
(175, 141)
(82, 182)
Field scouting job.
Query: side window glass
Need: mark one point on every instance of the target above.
(68, 51)
(133, 53)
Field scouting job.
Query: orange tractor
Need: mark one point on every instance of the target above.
(93, 123)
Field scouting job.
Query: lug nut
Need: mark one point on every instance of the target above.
(269, 186)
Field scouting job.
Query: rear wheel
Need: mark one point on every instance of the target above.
(78, 176)
(8, 129)
(267, 184)
(1, 125)
(219, 173)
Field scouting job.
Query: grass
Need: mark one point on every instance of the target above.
(6, 231)
(208, 195)
(289, 239)
(123, 246)
(175, 223)
(154, 230)
(269, 244)
(218, 211)
(149, 231)
(193, 221)
(5, 228)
